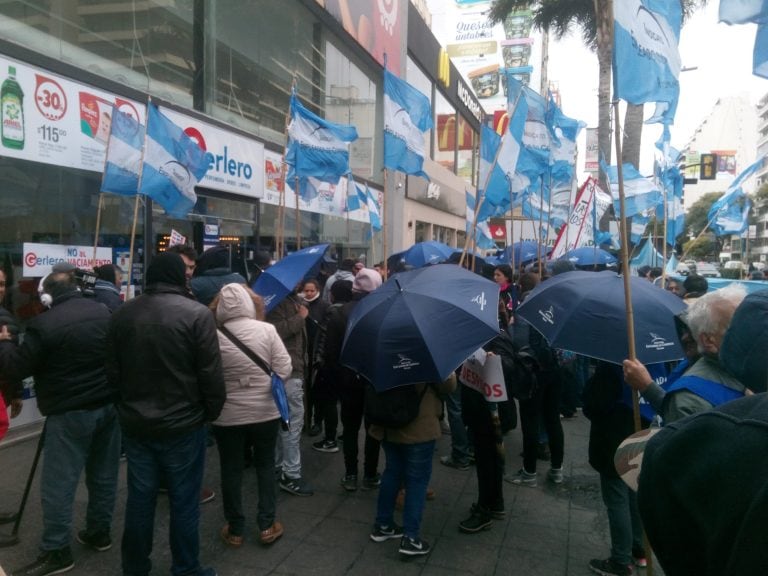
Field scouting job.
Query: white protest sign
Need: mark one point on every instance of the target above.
(483, 373)
(39, 259)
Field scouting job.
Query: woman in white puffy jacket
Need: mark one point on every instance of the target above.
(249, 414)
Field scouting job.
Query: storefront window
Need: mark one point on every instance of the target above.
(445, 133)
(146, 45)
(350, 98)
(443, 234)
(54, 207)
(423, 232)
(255, 53)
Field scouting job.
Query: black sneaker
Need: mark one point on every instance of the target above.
(295, 486)
(50, 562)
(384, 533)
(371, 482)
(478, 521)
(496, 514)
(413, 547)
(608, 567)
(349, 482)
(99, 541)
(328, 446)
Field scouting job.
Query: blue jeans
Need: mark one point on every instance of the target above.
(408, 466)
(624, 521)
(288, 452)
(77, 440)
(460, 450)
(180, 460)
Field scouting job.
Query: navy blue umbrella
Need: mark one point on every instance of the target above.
(589, 256)
(585, 312)
(420, 254)
(420, 325)
(525, 251)
(280, 279)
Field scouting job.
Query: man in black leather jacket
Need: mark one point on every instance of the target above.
(163, 359)
(64, 349)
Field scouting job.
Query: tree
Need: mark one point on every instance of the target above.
(595, 20)
(703, 245)
(696, 218)
(704, 248)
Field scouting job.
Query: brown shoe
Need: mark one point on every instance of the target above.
(231, 539)
(272, 533)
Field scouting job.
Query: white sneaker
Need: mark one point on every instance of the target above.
(523, 478)
(555, 475)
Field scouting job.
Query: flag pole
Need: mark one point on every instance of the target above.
(383, 224)
(298, 215)
(136, 207)
(98, 225)
(664, 245)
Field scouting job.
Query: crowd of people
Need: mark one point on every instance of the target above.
(209, 353)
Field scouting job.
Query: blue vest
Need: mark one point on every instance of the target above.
(713, 392)
(659, 374)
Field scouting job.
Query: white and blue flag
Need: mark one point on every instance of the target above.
(728, 214)
(173, 165)
(743, 12)
(534, 157)
(124, 154)
(646, 58)
(670, 178)
(357, 196)
(565, 130)
(317, 148)
(407, 115)
(483, 238)
(373, 210)
(640, 193)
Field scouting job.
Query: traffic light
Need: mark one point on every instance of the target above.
(708, 167)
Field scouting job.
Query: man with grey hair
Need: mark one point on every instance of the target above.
(706, 383)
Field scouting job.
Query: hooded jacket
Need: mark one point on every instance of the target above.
(249, 390)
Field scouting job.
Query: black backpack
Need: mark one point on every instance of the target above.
(393, 408)
(519, 365)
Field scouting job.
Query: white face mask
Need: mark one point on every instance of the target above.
(45, 298)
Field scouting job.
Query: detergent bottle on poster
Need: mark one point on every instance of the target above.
(12, 112)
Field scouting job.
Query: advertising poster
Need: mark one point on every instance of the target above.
(377, 26)
(50, 119)
(484, 52)
(235, 161)
(39, 259)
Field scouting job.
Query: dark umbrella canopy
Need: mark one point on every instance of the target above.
(279, 280)
(585, 312)
(420, 325)
(420, 254)
(525, 252)
(590, 256)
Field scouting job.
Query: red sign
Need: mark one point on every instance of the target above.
(500, 121)
(498, 231)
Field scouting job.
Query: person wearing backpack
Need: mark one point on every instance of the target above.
(409, 450)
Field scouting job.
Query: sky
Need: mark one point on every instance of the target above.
(721, 53)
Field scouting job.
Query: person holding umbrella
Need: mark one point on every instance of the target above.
(409, 452)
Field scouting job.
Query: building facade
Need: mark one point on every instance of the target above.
(223, 71)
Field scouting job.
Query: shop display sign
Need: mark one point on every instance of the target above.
(50, 119)
(39, 259)
(235, 162)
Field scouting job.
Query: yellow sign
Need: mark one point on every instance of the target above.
(444, 68)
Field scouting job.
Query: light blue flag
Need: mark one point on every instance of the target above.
(743, 11)
(534, 157)
(407, 115)
(760, 54)
(646, 59)
(535, 205)
(356, 195)
(373, 210)
(732, 219)
(722, 214)
(124, 154)
(670, 178)
(493, 182)
(640, 194)
(639, 224)
(483, 236)
(564, 131)
(317, 148)
(173, 165)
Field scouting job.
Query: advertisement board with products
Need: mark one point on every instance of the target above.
(47, 118)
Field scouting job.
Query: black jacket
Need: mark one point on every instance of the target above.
(63, 349)
(9, 387)
(163, 358)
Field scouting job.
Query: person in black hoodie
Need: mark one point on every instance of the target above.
(163, 359)
(64, 350)
(703, 486)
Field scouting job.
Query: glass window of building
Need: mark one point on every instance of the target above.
(443, 234)
(422, 231)
(350, 98)
(423, 84)
(254, 54)
(445, 133)
(146, 45)
(467, 151)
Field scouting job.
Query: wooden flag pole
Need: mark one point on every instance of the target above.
(664, 245)
(98, 224)
(383, 225)
(298, 215)
(133, 242)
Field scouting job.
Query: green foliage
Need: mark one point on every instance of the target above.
(705, 248)
(696, 216)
